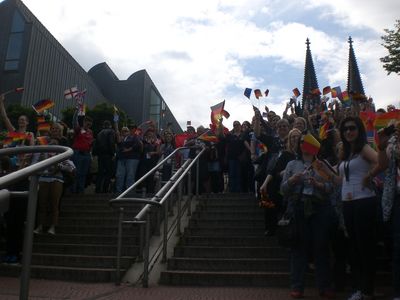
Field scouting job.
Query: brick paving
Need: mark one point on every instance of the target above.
(49, 289)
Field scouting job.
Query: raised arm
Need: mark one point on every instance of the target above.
(4, 116)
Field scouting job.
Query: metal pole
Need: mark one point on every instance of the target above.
(141, 241)
(197, 178)
(189, 212)
(119, 245)
(179, 216)
(28, 238)
(145, 281)
(165, 233)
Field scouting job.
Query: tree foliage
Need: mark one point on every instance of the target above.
(16, 110)
(99, 113)
(391, 41)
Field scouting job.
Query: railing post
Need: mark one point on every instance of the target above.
(141, 241)
(179, 213)
(189, 212)
(165, 232)
(145, 281)
(119, 245)
(28, 238)
(197, 178)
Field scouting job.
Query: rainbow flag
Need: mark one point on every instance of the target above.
(43, 140)
(41, 119)
(17, 136)
(326, 90)
(7, 141)
(310, 144)
(42, 105)
(382, 120)
(43, 127)
(345, 98)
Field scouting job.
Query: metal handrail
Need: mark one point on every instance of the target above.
(32, 170)
(158, 200)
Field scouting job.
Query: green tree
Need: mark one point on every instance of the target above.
(99, 113)
(391, 41)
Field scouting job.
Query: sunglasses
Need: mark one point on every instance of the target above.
(349, 128)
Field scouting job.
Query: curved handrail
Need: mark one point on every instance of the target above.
(32, 170)
(64, 153)
(159, 164)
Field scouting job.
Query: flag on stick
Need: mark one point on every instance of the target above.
(43, 140)
(345, 98)
(208, 136)
(218, 111)
(316, 92)
(310, 144)
(247, 92)
(336, 92)
(266, 92)
(43, 127)
(326, 90)
(70, 93)
(42, 105)
(296, 92)
(257, 93)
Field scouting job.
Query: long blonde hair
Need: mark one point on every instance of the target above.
(290, 146)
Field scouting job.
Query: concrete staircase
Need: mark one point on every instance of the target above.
(224, 245)
(85, 245)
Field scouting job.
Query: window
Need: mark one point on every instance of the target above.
(15, 39)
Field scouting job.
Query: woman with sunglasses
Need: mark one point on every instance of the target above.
(307, 193)
(356, 171)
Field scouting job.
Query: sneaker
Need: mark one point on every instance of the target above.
(296, 294)
(38, 229)
(10, 259)
(356, 296)
(51, 230)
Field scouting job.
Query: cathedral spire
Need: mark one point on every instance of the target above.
(354, 83)
(310, 98)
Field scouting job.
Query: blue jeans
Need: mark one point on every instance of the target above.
(396, 247)
(126, 173)
(82, 162)
(234, 176)
(315, 232)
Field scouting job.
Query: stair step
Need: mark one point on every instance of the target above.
(84, 249)
(228, 241)
(96, 229)
(86, 238)
(64, 273)
(79, 261)
(232, 215)
(213, 278)
(251, 223)
(229, 264)
(232, 231)
(230, 252)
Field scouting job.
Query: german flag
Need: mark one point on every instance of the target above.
(310, 144)
(326, 90)
(42, 105)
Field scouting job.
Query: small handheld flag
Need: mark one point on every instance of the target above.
(43, 127)
(43, 140)
(70, 93)
(310, 144)
(296, 92)
(336, 92)
(257, 93)
(266, 92)
(326, 90)
(19, 90)
(42, 105)
(316, 92)
(247, 92)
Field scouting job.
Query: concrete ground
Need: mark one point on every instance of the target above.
(48, 289)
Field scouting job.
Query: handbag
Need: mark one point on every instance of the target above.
(286, 232)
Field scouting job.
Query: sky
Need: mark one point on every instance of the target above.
(199, 53)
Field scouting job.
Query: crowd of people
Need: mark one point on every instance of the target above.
(315, 164)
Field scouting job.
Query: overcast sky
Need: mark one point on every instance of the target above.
(201, 52)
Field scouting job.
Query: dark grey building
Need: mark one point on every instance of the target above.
(137, 96)
(32, 58)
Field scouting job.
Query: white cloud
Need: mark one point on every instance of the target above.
(196, 51)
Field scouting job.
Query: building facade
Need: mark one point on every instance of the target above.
(32, 58)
